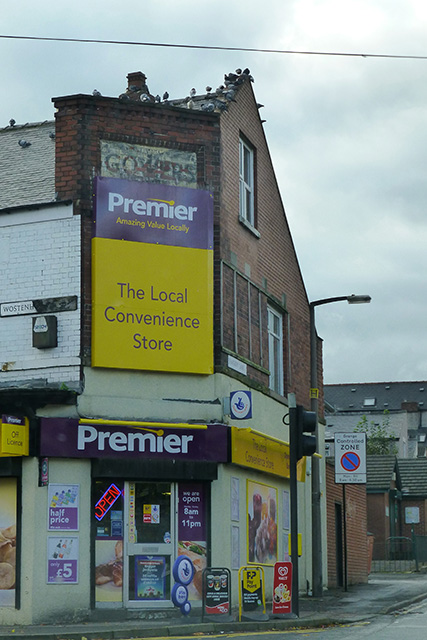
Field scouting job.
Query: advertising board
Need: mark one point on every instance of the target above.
(152, 277)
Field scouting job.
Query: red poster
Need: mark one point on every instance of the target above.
(282, 590)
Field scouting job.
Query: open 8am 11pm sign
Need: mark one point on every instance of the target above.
(350, 458)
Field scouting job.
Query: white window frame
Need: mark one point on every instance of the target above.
(275, 350)
(247, 183)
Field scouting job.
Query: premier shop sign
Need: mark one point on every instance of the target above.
(69, 438)
(152, 261)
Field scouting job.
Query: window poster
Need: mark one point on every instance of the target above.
(262, 523)
(8, 496)
(192, 532)
(150, 578)
(63, 507)
(108, 570)
(62, 560)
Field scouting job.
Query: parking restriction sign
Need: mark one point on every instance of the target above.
(350, 458)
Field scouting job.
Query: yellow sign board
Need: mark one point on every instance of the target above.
(251, 579)
(14, 437)
(255, 450)
(152, 307)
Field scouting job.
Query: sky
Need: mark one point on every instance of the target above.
(347, 134)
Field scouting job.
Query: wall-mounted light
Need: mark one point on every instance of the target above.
(45, 332)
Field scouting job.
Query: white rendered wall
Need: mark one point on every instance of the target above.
(39, 258)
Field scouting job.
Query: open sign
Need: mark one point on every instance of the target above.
(105, 503)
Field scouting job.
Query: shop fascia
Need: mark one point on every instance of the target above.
(62, 437)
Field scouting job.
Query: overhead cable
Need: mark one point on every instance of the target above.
(217, 48)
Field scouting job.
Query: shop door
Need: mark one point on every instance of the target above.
(149, 543)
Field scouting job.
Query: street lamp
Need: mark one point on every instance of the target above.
(316, 512)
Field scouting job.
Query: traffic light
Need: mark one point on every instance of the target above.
(305, 423)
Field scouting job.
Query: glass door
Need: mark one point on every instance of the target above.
(149, 543)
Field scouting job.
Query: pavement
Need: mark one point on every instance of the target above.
(382, 595)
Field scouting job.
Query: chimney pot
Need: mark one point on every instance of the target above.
(137, 79)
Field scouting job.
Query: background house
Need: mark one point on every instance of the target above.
(400, 406)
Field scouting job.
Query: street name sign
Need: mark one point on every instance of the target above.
(350, 458)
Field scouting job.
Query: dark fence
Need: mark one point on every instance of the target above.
(399, 554)
(395, 555)
(421, 549)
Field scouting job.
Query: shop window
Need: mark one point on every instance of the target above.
(275, 350)
(107, 518)
(8, 514)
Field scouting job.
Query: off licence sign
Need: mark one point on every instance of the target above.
(350, 458)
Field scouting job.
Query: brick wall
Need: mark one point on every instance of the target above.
(268, 261)
(41, 259)
(83, 121)
(378, 516)
(270, 257)
(356, 515)
(420, 529)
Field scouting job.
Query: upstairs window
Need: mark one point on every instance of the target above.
(275, 350)
(247, 182)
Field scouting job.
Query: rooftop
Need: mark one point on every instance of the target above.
(376, 397)
(27, 164)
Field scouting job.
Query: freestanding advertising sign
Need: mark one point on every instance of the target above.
(350, 458)
(252, 594)
(282, 589)
(216, 591)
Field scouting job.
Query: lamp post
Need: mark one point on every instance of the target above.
(316, 512)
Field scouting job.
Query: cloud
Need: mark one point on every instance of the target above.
(347, 135)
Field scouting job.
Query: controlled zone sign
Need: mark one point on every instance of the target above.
(350, 458)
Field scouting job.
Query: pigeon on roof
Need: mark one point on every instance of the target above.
(209, 107)
(12, 122)
(96, 93)
(229, 95)
(24, 143)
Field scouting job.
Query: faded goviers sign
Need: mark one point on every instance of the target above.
(148, 164)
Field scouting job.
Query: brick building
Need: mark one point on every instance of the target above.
(346, 505)
(397, 494)
(148, 274)
(397, 407)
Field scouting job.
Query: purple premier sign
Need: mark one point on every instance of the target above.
(153, 213)
(69, 438)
